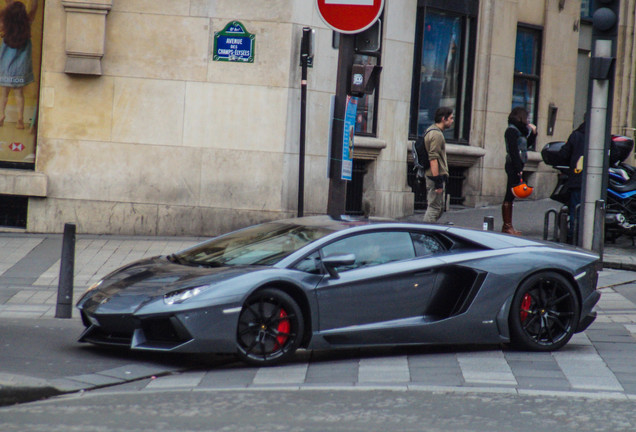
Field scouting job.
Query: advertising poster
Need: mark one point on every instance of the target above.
(347, 137)
(20, 61)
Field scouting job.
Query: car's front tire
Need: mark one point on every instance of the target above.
(544, 313)
(270, 328)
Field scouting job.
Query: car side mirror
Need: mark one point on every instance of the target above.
(337, 260)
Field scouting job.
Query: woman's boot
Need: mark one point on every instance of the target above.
(506, 215)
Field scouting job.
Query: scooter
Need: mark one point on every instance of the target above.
(620, 207)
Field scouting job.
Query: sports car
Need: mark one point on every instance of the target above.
(320, 283)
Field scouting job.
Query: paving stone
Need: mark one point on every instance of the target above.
(544, 383)
(68, 385)
(330, 372)
(180, 380)
(286, 374)
(485, 368)
(433, 361)
(535, 365)
(528, 356)
(96, 379)
(455, 379)
(229, 378)
(136, 371)
(530, 372)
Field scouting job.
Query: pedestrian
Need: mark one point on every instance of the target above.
(437, 172)
(16, 64)
(520, 135)
(573, 151)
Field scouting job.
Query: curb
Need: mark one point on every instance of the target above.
(16, 395)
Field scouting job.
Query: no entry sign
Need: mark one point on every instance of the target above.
(349, 16)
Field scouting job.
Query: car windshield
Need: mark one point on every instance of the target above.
(264, 244)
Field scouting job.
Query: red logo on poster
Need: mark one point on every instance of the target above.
(349, 16)
(16, 146)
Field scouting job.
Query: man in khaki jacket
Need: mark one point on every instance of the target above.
(437, 173)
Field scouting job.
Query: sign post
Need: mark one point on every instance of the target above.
(605, 23)
(347, 17)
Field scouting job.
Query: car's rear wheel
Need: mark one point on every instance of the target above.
(544, 313)
(270, 328)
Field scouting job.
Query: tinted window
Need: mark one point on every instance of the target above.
(373, 248)
(264, 244)
(310, 264)
(426, 244)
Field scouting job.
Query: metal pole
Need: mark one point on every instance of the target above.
(595, 171)
(65, 284)
(337, 186)
(304, 60)
(563, 225)
(304, 54)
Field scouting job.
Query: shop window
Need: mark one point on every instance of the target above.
(20, 86)
(366, 53)
(443, 69)
(355, 188)
(13, 211)
(366, 117)
(525, 91)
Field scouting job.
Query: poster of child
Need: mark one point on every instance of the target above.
(18, 86)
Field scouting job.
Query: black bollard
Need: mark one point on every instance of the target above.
(65, 285)
(489, 223)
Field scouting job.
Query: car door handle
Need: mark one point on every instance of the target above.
(424, 272)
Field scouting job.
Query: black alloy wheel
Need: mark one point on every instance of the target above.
(270, 328)
(544, 313)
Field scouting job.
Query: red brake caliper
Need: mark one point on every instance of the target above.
(525, 306)
(283, 327)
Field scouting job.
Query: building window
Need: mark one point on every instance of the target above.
(586, 8)
(525, 91)
(366, 117)
(443, 69)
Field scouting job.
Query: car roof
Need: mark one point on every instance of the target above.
(488, 239)
(353, 225)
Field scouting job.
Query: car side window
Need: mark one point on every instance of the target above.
(426, 244)
(310, 264)
(373, 248)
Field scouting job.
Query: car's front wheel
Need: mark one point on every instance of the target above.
(270, 328)
(544, 313)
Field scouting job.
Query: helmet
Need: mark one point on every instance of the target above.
(522, 190)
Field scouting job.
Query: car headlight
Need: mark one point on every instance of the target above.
(181, 295)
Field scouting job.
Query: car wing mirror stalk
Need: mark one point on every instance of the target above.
(338, 260)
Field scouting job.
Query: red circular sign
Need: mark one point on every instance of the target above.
(349, 16)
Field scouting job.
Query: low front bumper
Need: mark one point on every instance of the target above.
(210, 330)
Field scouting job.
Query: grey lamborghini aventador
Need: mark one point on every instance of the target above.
(317, 282)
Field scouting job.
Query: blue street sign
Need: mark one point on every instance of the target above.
(234, 44)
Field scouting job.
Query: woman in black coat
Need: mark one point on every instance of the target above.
(519, 136)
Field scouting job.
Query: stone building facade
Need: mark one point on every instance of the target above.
(140, 130)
